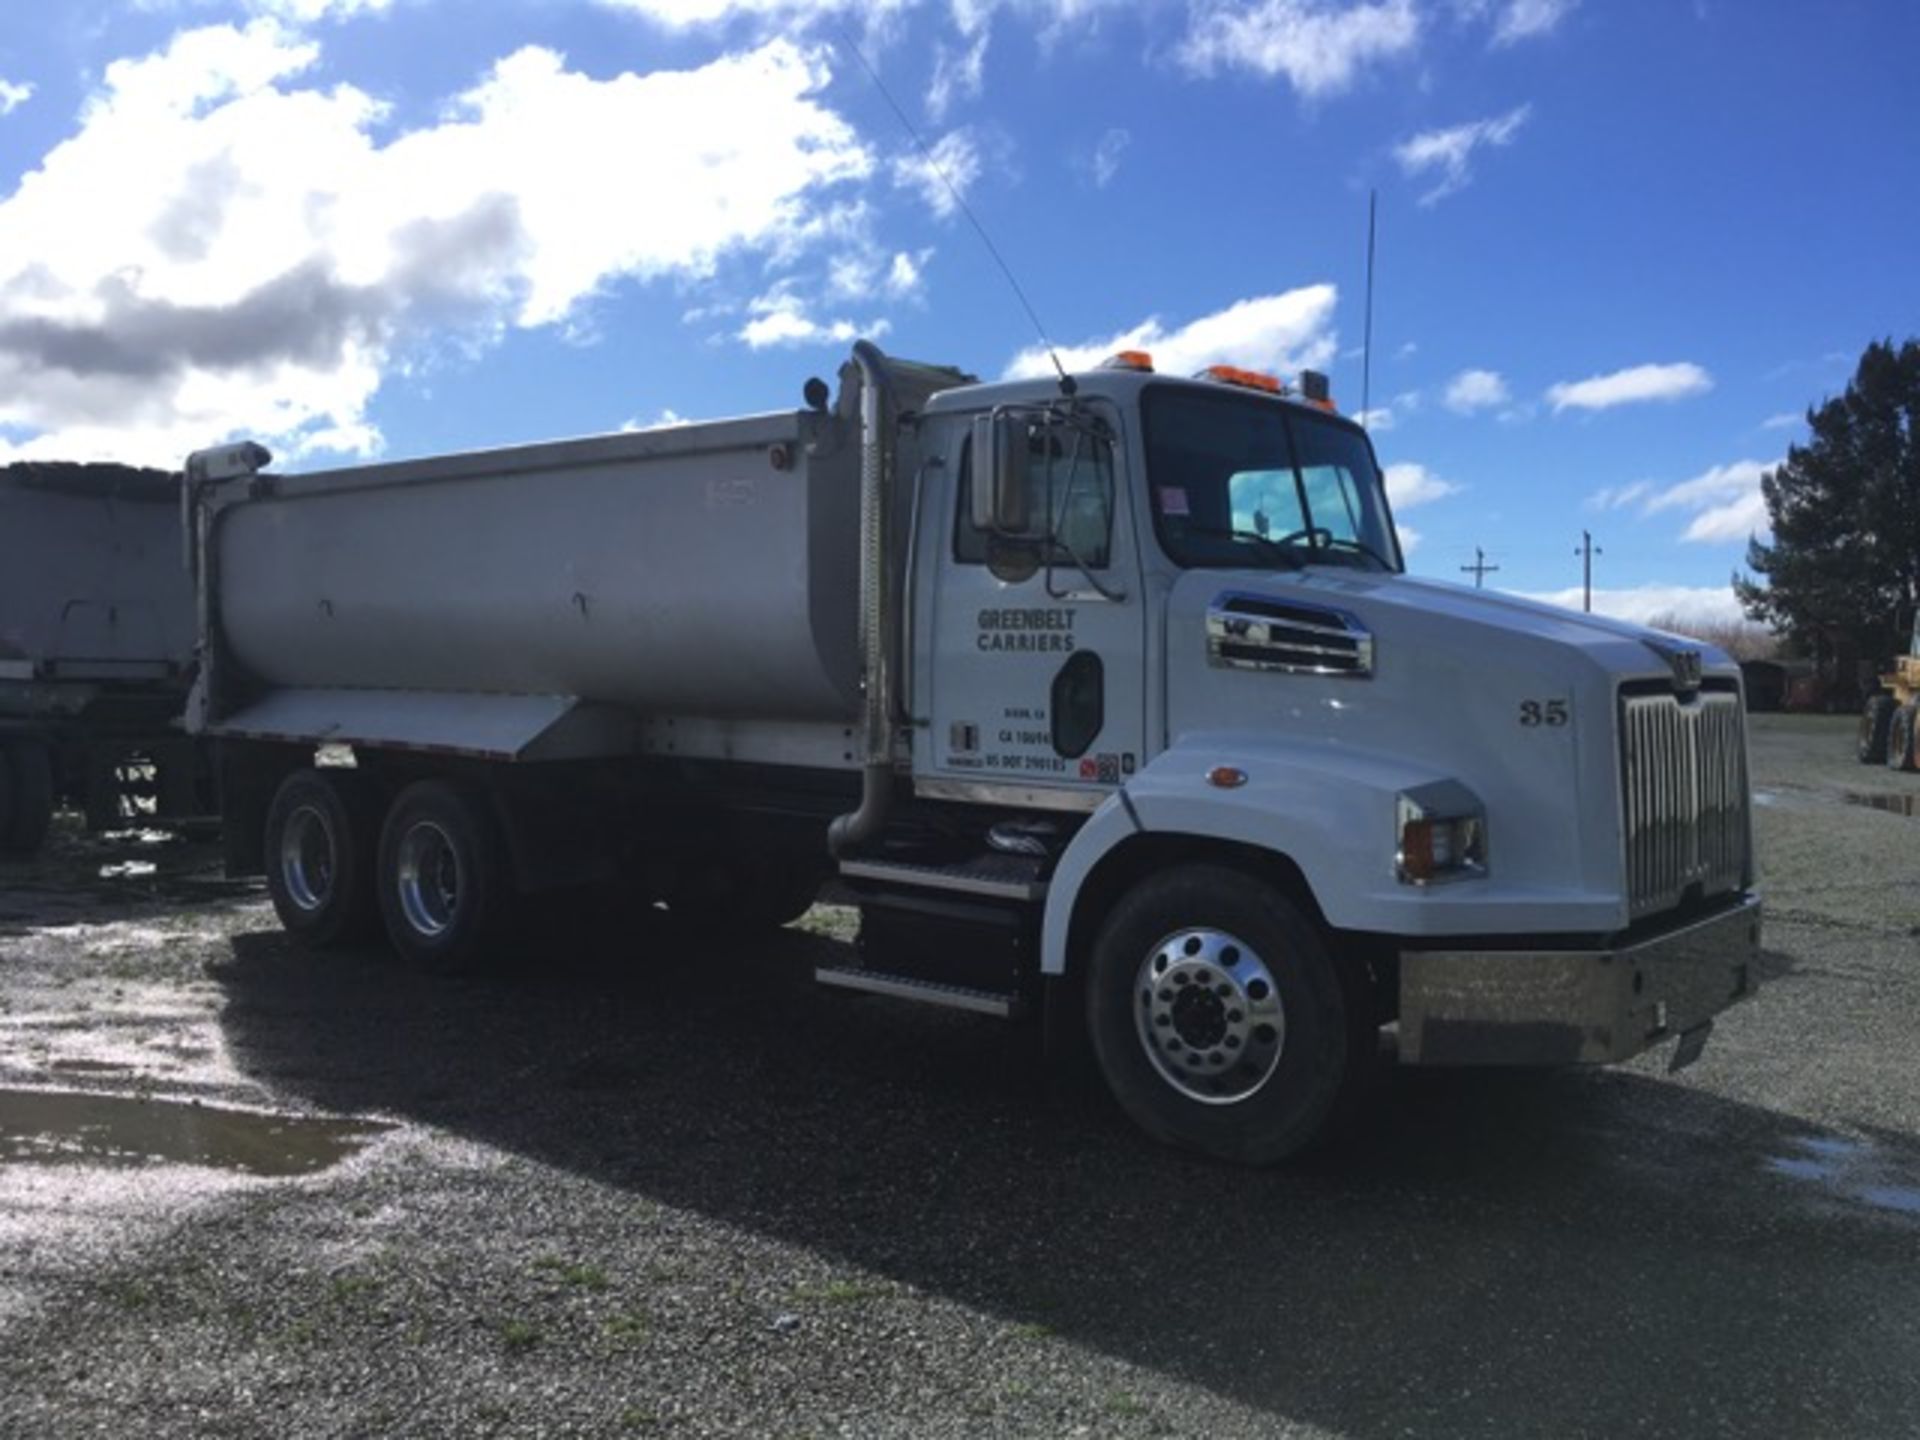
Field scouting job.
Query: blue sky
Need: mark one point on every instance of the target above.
(1622, 246)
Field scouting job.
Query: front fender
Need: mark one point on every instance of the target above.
(1330, 810)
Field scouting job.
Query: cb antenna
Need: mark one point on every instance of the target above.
(960, 202)
(1366, 340)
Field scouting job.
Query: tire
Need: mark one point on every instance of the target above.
(319, 844)
(445, 886)
(1900, 737)
(1874, 723)
(1280, 1053)
(29, 765)
(742, 901)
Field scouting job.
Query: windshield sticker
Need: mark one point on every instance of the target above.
(1173, 500)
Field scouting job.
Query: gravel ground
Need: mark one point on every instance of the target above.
(671, 1188)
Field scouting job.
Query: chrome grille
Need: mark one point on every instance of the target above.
(1259, 632)
(1683, 774)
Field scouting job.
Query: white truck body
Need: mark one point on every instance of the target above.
(1520, 832)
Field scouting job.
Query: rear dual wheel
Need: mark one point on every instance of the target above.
(319, 853)
(433, 871)
(444, 883)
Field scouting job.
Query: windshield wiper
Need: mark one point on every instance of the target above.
(1272, 547)
(1358, 547)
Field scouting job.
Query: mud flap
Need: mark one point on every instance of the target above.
(1692, 1042)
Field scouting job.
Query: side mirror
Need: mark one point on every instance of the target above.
(999, 474)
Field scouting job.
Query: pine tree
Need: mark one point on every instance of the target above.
(1845, 514)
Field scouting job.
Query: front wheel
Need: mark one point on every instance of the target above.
(445, 888)
(1218, 1017)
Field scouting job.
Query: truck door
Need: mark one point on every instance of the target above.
(1036, 681)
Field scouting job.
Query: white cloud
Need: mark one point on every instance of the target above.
(957, 74)
(1631, 386)
(1409, 537)
(1784, 421)
(1726, 502)
(1643, 603)
(782, 319)
(1375, 420)
(1473, 390)
(1319, 48)
(791, 14)
(224, 248)
(944, 174)
(1106, 156)
(1407, 351)
(1618, 497)
(1449, 152)
(304, 12)
(1410, 484)
(1281, 333)
(667, 419)
(14, 94)
(1517, 20)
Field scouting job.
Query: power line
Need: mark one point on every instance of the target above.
(959, 200)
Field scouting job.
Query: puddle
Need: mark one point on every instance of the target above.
(1854, 1170)
(58, 1127)
(128, 870)
(1766, 797)
(1892, 804)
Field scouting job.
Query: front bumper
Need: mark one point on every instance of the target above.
(1564, 1007)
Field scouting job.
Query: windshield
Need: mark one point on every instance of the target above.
(1240, 481)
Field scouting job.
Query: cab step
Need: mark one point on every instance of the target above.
(1004, 1006)
(998, 877)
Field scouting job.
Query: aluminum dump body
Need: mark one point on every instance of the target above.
(92, 584)
(705, 570)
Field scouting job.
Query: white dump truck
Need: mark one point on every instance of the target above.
(96, 651)
(1106, 699)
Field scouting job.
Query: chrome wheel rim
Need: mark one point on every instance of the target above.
(428, 876)
(1209, 1016)
(307, 859)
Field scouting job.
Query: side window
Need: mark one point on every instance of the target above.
(1072, 476)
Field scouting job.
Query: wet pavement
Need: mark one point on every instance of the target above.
(654, 1185)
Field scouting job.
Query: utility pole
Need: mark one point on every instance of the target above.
(1586, 552)
(1479, 569)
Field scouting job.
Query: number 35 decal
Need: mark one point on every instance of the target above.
(1544, 712)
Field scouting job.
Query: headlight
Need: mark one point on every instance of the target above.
(1440, 834)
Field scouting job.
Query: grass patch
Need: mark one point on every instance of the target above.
(628, 1329)
(840, 1292)
(577, 1274)
(519, 1336)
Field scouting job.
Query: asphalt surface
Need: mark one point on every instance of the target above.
(658, 1185)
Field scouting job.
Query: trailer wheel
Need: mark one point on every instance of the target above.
(319, 857)
(1900, 737)
(26, 796)
(1874, 722)
(443, 878)
(1218, 1016)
